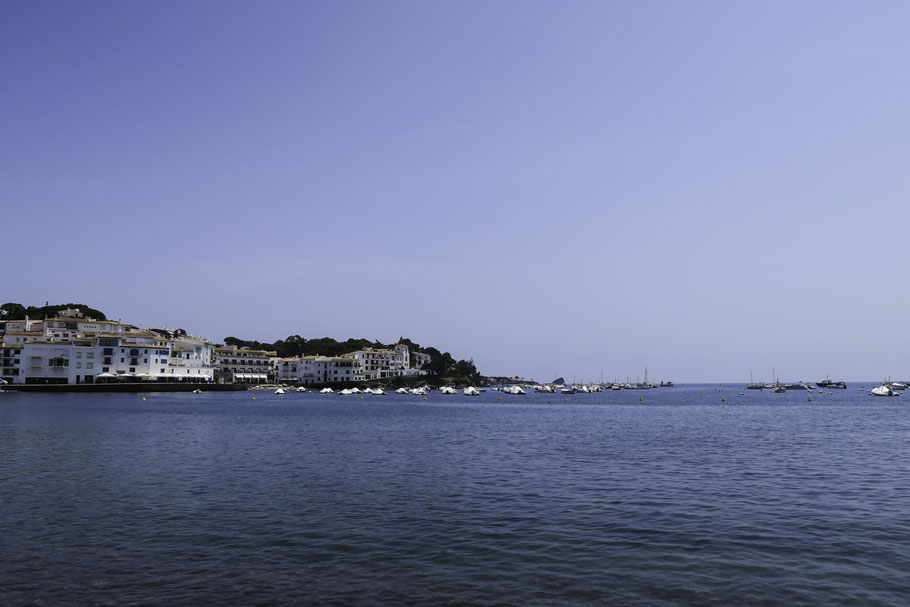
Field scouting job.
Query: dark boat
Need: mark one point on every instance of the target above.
(830, 383)
(799, 386)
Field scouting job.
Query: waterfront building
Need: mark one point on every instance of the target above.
(287, 369)
(244, 365)
(74, 350)
(382, 363)
(419, 360)
(328, 369)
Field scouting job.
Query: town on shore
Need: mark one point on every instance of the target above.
(73, 348)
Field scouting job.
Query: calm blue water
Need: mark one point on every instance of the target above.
(679, 499)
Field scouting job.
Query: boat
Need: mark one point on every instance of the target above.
(197, 391)
(514, 390)
(421, 391)
(616, 387)
(376, 391)
(280, 391)
(448, 390)
(754, 386)
(666, 384)
(545, 388)
(301, 389)
(401, 391)
(830, 383)
(326, 391)
(883, 390)
(799, 386)
(347, 391)
(568, 390)
(897, 386)
(471, 391)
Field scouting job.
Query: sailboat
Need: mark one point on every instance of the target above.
(754, 386)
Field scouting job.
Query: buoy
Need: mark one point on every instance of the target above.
(254, 398)
(500, 398)
(361, 398)
(641, 399)
(723, 399)
(424, 398)
(143, 398)
(566, 397)
(810, 399)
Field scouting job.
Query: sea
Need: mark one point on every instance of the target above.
(691, 495)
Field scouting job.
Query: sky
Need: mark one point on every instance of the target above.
(707, 189)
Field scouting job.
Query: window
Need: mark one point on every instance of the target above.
(90, 355)
(78, 354)
(89, 365)
(105, 369)
(121, 359)
(108, 352)
(78, 365)
(145, 360)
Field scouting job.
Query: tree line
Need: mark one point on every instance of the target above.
(16, 311)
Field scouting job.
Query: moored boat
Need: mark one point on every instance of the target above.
(884, 390)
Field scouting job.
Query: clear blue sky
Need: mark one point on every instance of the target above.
(705, 188)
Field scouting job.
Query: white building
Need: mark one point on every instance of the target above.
(328, 369)
(287, 370)
(76, 351)
(244, 365)
(380, 364)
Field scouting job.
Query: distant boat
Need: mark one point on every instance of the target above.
(197, 391)
(754, 386)
(514, 390)
(471, 391)
(568, 390)
(884, 390)
(401, 391)
(897, 386)
(280, 391)
(798, 386)
(830, 383)
(301, 389)
(666, 384)
(448, 390)
(545, 388)
(326, 391)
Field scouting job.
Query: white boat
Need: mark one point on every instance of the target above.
(448, 390)
(346, 392)
(401, 391)
(582, 388)
(197, 391)
(897, 386)
(422, 391)
(376, 391)
(301, 389)
(545, 388)
(616, 387)
(568, 390)
(884, 390)
(280, 391)
(471, 391)
(326, 391)
(514, 390)
(354, 390)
